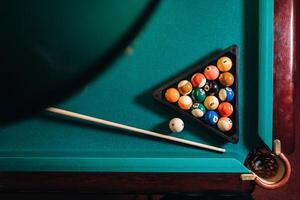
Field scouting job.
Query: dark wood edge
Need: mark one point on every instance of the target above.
(284, 74)
(174, 182)
(157, 183)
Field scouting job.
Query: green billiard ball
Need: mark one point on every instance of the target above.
(198, 95)
(198, 110)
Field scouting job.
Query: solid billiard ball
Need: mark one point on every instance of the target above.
(211, 87)
(226, 94)
(185, 87)
(211, 102)
(172, 95)
(198, 95)
(225, 109)
(211, 72)
(176, 125)
(211, 117)
(185, 102)
(225, 124)
(198, 110)
(226, 79)
(198, 80)
(224, 64)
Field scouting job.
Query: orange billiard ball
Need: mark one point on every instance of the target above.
(185, 102)
(211, 72)
(172, 95)
(224, 64)
(225, 109)
(226, 79)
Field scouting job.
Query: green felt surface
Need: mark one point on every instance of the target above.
(177, 35)
(266, 73)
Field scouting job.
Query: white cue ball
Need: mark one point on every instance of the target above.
(176, 125)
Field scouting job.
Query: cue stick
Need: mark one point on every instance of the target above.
(132, 129)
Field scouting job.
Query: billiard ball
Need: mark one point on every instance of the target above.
(226, 79)
(211, 102)
(198, 95)
(211, 72)
(225, 124)
(224, 64)
(176, 125)
(198, 110)
(211, 117)
(198, 80)
(225, 109)
(185, 87)
(211, 87)
(185, 102)
(226, 94)
(172, 95)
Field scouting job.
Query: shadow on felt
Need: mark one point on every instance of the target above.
(146, 100)
(92, 126)
(251, 69)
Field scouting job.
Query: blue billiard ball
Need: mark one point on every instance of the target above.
(211, 117)
(226, 94)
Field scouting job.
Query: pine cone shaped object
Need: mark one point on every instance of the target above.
(262, 163)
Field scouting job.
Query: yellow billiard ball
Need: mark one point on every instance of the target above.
(211, 102)
(224, 64)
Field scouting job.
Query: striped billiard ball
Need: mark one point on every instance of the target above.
(226, 94)
(198, 80)
(185, 87)
(185, 102)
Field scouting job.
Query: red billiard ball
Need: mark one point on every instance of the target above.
(225, 109)
(198, 80)
(211, 72)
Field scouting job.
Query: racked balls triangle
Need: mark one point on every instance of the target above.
(207, 94)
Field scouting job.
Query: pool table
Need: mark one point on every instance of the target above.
(48, 152)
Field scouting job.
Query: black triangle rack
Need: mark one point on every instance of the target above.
(231, 134)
